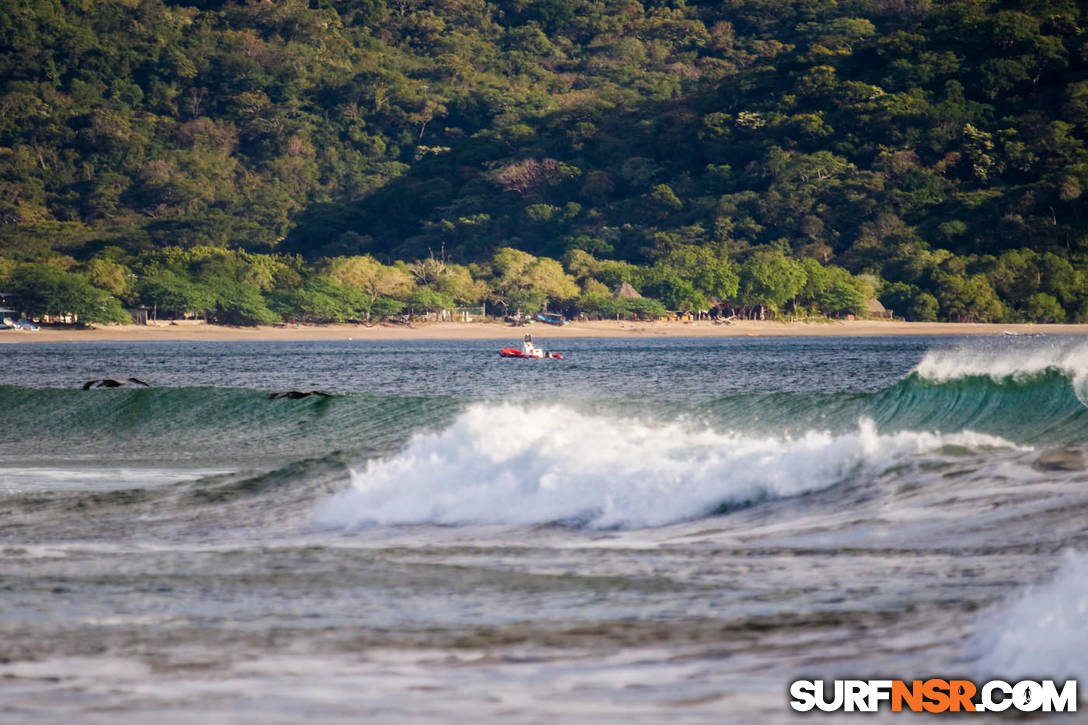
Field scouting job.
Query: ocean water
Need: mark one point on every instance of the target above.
(647, 530)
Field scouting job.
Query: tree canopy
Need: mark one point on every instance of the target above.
(938, 149)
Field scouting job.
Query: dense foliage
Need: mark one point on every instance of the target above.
(243, 288)
(784, 154)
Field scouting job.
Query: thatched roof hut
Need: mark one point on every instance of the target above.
(874, 309)
(627, 292)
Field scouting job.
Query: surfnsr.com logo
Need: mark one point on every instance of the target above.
(933, 695)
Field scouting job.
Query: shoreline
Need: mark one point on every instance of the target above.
(500, 331)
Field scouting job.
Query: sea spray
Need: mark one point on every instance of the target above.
(1039, 632)
(1015, 363)
(508, 464)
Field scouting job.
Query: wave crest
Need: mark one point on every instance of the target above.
(505, 464)
(1015, 363)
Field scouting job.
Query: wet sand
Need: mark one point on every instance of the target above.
(500, 331)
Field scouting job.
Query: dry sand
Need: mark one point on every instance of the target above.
(498, 331)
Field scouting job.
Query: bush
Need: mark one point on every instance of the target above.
(1041, 307)
(45, 289)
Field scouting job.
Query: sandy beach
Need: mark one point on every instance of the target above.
(500, 331)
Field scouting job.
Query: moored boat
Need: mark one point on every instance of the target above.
(528, 350)
(550, 318)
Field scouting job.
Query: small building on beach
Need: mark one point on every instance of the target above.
(874, 310)
(138, 314)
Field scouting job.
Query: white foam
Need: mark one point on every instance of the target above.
(24, 479)
(1041, 632)
(1015, 362)
(504, 464)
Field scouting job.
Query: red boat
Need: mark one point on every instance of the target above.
(529, 350)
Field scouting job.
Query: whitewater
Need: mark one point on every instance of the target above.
(645, 530)
(506, 464)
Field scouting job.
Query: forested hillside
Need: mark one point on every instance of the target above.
(251, 160)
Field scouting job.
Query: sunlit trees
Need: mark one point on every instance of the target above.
(925, 143)
(770, 279)
(710, 274)
(45, 289)
(375, 280)
(425, 299)
(832, 291)
(523, 281)
(110, 276)
(321, 299)
(968, 298)
(167, 291)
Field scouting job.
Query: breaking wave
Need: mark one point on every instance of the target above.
(1028, 395)
(1016, 364)
(505, 464)
(1040, 633)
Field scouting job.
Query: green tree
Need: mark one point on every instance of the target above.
(1041, 307)
(770, 279)
(900, 139)
(646, 308)
(843, 294)
(165, 290)
(376, 280)
(678, 294)
(385, 307)
(910, 302)
(238, 303)
(523, 281)
(709, 273)
(109, 276)
(969, 299)
(320, 299)
(425, 299)
(45, 289)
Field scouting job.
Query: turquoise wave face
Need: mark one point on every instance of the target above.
(244, 427)
(419, 460)
(1038, 408)
(203, 426)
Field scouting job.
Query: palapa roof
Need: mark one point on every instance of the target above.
(626, 291)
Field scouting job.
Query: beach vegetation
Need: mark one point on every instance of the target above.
(49, 290)
(247, 162)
